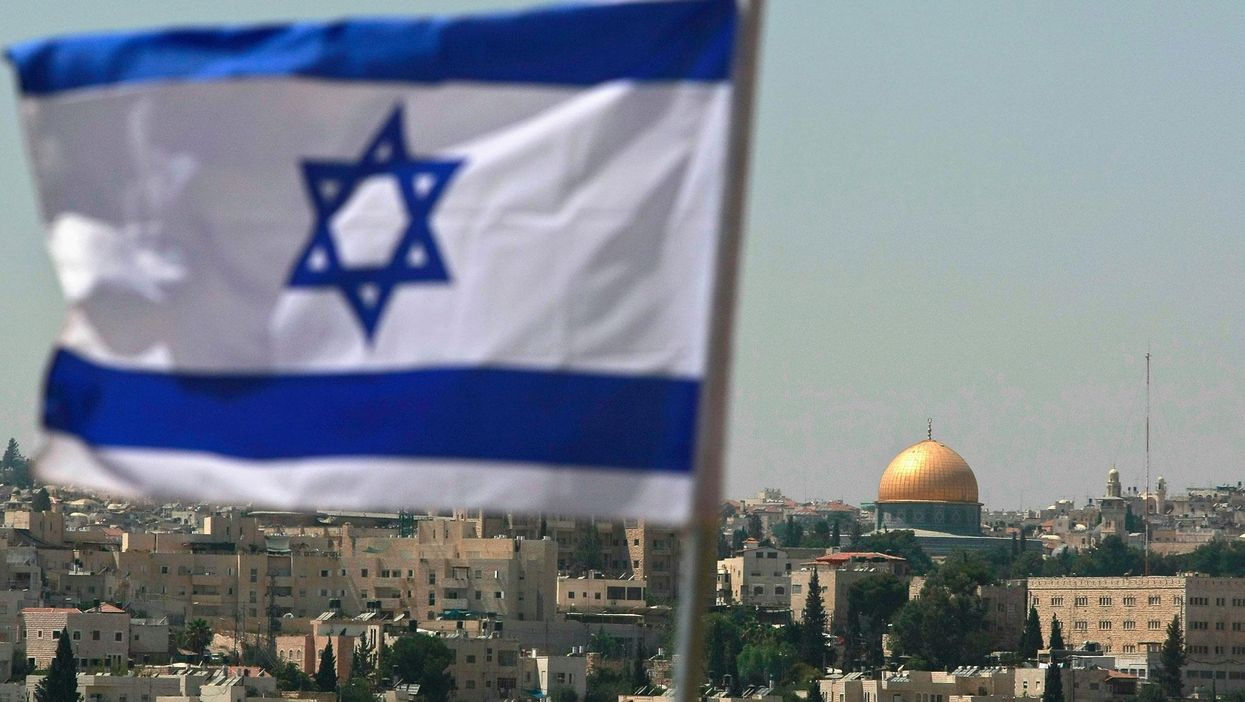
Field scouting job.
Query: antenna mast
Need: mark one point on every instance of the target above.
(1146, 511)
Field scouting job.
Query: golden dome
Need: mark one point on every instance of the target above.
(928, 472)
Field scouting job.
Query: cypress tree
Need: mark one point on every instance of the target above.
(61, 683)
(326, 674)
(836, 537)
(1052, 688)
(1056, 635)
(1031, 639)
(1172, 660)
(813, 631)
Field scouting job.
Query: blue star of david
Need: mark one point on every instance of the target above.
(415, 258)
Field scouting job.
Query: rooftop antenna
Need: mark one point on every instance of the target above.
(929, 428)
(1146, 510)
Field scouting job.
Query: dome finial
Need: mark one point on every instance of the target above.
(929, 428)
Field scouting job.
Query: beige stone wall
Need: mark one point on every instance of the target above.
(1130, 614)
(98, 639)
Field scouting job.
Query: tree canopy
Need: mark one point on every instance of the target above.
(941, 629)
(423, 660)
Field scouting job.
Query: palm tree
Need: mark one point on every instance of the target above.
(197, 636)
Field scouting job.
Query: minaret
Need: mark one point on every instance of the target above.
(1113, 483)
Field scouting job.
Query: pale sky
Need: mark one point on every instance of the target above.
(982, 213)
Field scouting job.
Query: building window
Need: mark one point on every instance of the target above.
(363, 573)
(77, 636)
(1056, 601)
(1082, 601)
(1104, 625)
(1104, 601)
(1129, 625)
(1130, 601)
(117, 636)
(1154, 624)
(1081, 625)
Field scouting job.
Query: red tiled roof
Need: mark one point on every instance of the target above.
(49, 610)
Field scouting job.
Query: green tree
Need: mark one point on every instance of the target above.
(942, 628)
(357, 689)
(872, 604)
(564, 694)
(793, 534)
(814, 689)
(821, 533)
(605, 685)
(1150, 692)
(1056, 634)
(836, 538)
(1112, 557)
(15, 465)
(963, 573)
(1031, 637)
(362, 659)
(326, 673)
(737, 540)
(61, 682)
(1171, 661)
(761, 662)
(812, 649)
(587, 554)
(421, 659)
(610, 647)
(900, 543)
(42, 501)
(1052, 687)
(854, 534)
(197, 636)
(290, 678)
(722, 635)
(755, 530)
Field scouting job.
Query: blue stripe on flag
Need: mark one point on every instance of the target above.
(619, 421)
(574, 45)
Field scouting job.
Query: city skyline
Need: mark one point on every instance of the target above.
(982, 215)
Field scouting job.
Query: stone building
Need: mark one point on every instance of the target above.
(758, 576)
(100, 636)
(1129, 615)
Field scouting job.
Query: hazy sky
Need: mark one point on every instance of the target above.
(981, 213)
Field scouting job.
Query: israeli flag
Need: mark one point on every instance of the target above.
(376, 264)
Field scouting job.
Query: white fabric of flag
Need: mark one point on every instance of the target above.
(377, 264)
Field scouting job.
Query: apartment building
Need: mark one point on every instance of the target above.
(977, 684)
(592, 593)
(484, 668)
(100, 636)
(654, 555)
(544, 675)
(1129, 615)
(758, 576)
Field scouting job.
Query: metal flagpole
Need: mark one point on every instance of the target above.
(700, 537)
